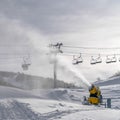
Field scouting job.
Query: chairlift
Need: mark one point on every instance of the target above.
(114, 59)
(93, 61)
(25, 66)
(119, 59)
(111, 59)
(108, 59)
(99, 60)
(26, 63)
(74, 61)
(79, 59)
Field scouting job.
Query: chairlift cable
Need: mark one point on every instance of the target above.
(84, 53)
(97, 48)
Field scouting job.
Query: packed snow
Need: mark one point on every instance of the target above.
(56, 104)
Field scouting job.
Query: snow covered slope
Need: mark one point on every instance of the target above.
(54, 104)
(110, 81)
(9, 92)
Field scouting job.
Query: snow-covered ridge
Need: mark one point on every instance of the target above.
(109, 81)
(27, 82)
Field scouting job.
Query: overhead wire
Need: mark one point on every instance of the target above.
(84, 53)
(93, 51)
(98, 48)
(70, 50)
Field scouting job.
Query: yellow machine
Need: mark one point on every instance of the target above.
(95, 95)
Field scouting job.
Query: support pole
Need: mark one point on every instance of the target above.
(55, 74)
(57, 50)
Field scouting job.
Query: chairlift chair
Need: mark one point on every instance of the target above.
(79, 59)
(119, 59)
(114, 59)
(93, 61)
(25, 64)
(108, 60)
(99, 60)
(74, 61)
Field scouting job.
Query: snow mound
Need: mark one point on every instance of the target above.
(53, 94)
(14, 110)
(58, 95)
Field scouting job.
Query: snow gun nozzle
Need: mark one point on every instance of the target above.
(91, 87)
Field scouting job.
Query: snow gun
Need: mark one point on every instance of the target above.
(95, 96)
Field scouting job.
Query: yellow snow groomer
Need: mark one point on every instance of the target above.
(95, 95)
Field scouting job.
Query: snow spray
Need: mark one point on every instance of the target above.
(64, 63)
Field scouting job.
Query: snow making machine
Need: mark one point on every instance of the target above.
(95, 96)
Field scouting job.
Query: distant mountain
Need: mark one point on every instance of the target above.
(25, 81)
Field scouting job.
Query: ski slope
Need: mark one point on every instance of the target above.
(55, 104)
